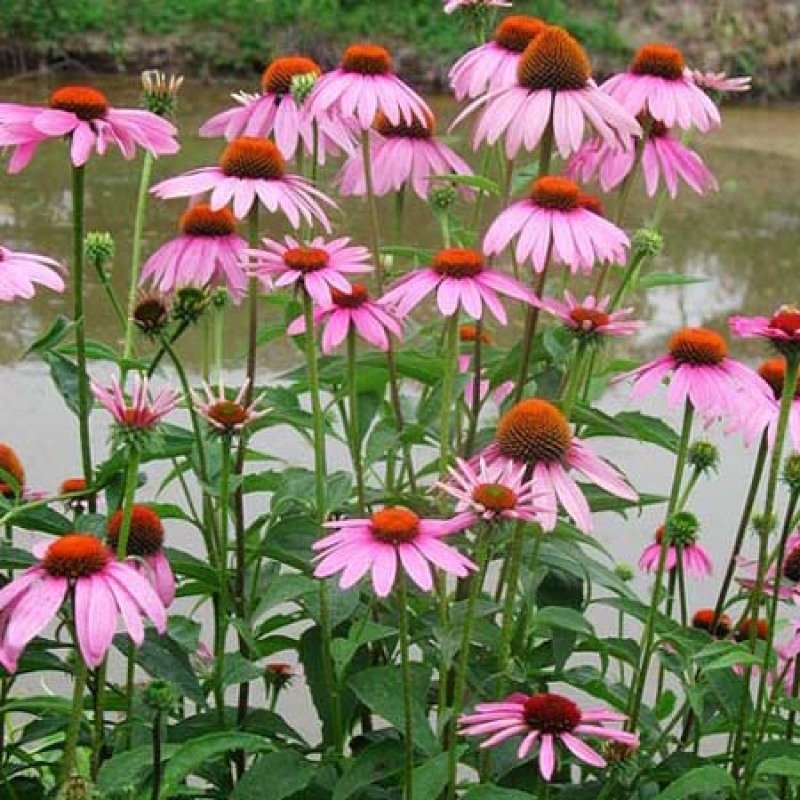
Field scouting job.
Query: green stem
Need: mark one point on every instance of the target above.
(102, 276)
(474, 402)
(512, 578)
(648, 634)
(136, 251)
(355, 427)
(78, 209)
(576, 376)
(131, 484)
(405, 661)
(156, 790)
(98, 732)
(448, 386)
(76, 714)
(372, 205)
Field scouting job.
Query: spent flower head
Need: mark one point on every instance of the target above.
(160, 92)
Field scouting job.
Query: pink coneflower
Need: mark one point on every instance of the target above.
(207, 253)
(452, 5)
(143, 412)
(589, 318)
(402, 154)
(718, 625)
(493, 65)
(460, 278)
(554, 88)
(145, 548)
(279, 113)
(468, 334)
(782, 329)
(318, 266)
(700, 372)
(787, 576)
(352, 310)
(102, 590)
(720, 82)
(251, 169)
(545, 719)
(759, 413)
(12, 473)
(496, 492)
(554, 220)
(86, 118)
(363, 85)
(536, 434)
(664, 157)
(225, 415)
(376, 544)
(658, 83)
(681, 532)
(20, 272)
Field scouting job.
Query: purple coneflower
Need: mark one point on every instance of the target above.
(493, 65)
(364, 85)
(143, 412)
(277, 112)
(459, 277)
(319, 266)
(681, 532)
(545, 719)
(85, 116)
(226, 415)
(658, 83)
(21, 272)
(102, 588)
(208, 252)
(720, 82)
(534, 433)
(145, 548)
(351, 310)
(377, 544)
(402, 154)
(782, 329)
(554, 89)
(590, 318)
(787, 576)
(251, 169)
(554, 220)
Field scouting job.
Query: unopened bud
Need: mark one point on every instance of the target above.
(160, 92)
(764, 524)
(302, 85)
(647, 242)
(624, 572)
(98, 247)
(791, 472)
(682, 528)
(442, 197)
(703, 456)
(190, 303)
(160, 695)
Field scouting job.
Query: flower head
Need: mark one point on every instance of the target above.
(706, 619)
(377, 544)
(783, 579)
(720, 82)
(589, 319)
(21, 272)
(208, 252)
(553, 219)
(318, 266)
(12, 473)
(143, 412)
(545, 719)
(250, 170)
(278, 111)
(102, 587)
(553, 89)
(535, 434)
(681, 533)
(160, 92)
(460, 278)
(225, 415)
(88, 120)
(493, 65)
(658, 83)
(363, 85)
(782, 329)
(351, 310)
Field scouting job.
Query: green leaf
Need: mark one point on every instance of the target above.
(237, 669)
(474, 181)
(703, 780)
(488, 792)
(566, 618)
(128, 770)
(655, 279)
(56, 333)
(376, 763)
(724, 655)
(783, 766)
(66, 378)
(43, 519)
(275, 776)
(196, 753)
(430, 779)
(381, 689)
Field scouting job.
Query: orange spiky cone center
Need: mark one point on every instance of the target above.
(85, 103)
(395, 525)
(458, 262)
(517, 31)
(698, 347)
(76, 555)
(556, 193)
(256, 159)
(367, 59)
(553, 60)
(201, 220)
(146, 537)
(532, 431)
(278, 76)
(660, 60)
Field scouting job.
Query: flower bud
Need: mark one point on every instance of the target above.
(190, 304)
(624, 572)
(302, 86)
(160, 92)
(764, 524)
(703, 456)
(682, 528)
(791, 472)
(160, 695)
(647, 242)
(98, 247)
(442, 197)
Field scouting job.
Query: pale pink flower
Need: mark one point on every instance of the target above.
(252, 170)
(720, 82)
(363, 85)
(658, 83)
(590, 318)
(546, 719)
(701, 373)
(91, 124)
(279, 113)
(534, 433)
(143, 412)
(493, 65)
(460, 278)
(452, 5)
(207, 253)
(224, 414)
(664, 157)
(782, 329)
(496, 492)
(554, 89)
(102, 589)
(21, 272)
(395, 534)
(402, 155)
(682, 547)
(352, 310)
(319, 266)
(554, 220)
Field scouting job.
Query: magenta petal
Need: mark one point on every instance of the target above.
(547, 757)
(95, 617)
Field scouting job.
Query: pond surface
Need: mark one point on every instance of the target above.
(743, 240)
